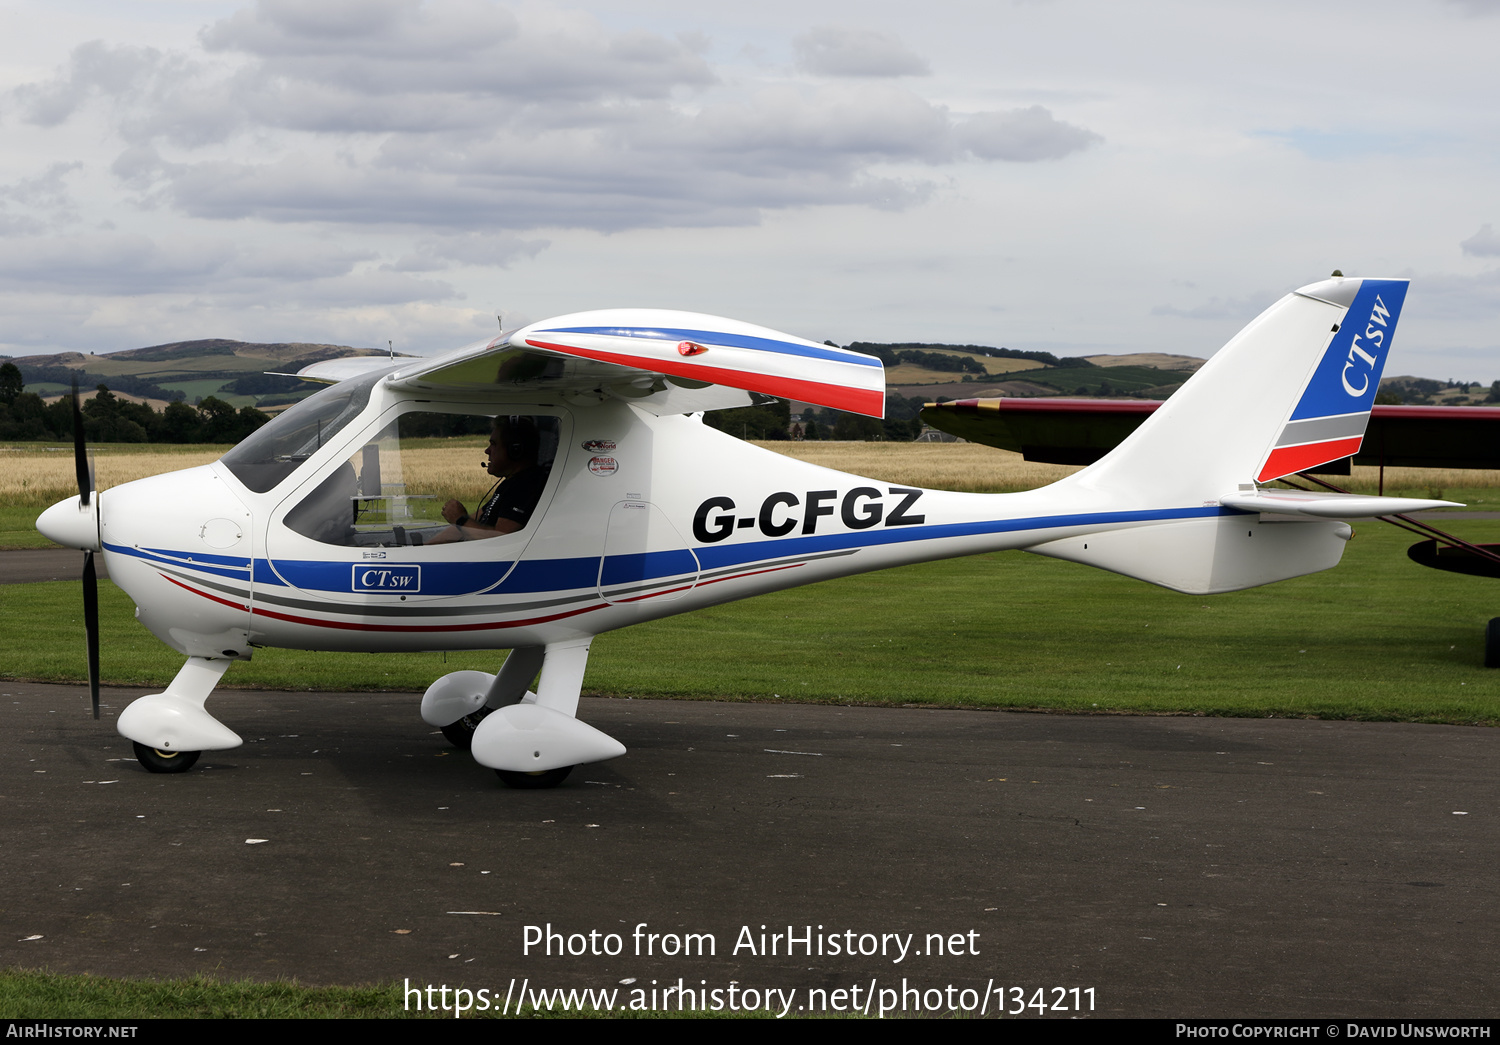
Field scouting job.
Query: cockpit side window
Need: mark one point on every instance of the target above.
(393, 490)
(273, 452)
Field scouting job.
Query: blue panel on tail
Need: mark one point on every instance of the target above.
(1348, 376)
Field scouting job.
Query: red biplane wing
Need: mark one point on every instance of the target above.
(1080, 431)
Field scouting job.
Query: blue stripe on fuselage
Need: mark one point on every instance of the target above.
(583, 572)
(714, 556)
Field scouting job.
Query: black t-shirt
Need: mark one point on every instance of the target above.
(514, 499)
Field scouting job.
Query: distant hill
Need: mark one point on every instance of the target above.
(234, 371)
(965, 371)
(1155, 360)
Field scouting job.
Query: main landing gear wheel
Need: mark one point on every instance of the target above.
(534, 781)
(461, 733)
(165, 761)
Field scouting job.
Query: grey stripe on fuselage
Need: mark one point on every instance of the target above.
(428, 610)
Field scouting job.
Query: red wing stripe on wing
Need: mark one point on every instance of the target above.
(1285, 460)
(859, 400)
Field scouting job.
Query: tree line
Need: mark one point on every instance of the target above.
(110, 419)
(774, 421)
(935, 357)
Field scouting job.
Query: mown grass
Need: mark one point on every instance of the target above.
(31, 994)
(1378, 637)
(38, 995)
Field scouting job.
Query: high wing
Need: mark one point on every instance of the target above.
(662, 361)
(1080, 431)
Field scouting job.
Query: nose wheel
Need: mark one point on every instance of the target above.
(165, 761)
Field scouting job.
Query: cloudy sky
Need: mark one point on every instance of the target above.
(1070, 175)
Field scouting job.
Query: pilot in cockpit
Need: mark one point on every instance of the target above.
(515, 445)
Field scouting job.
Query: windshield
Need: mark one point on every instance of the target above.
(394, 490)
(274, 452)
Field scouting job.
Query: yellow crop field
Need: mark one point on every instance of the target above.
(443, 468)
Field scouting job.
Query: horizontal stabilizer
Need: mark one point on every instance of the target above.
(1317, 505)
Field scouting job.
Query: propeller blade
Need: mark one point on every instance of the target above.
(91, 625)
(80, 453)
(90, 578)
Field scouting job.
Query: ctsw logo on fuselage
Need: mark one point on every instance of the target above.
(782, 512)
(387, 578)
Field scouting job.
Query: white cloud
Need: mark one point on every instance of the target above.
(133, 264)
(390, 113)
(362, 169)
(1483, 244)
(834, 51)
(1243, 309)
(1477, 8)
(486, 250)
(1023, 136)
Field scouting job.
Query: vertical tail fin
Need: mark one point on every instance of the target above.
(1291, 391)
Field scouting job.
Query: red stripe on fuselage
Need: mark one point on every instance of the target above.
(211, 598)
(341, 625)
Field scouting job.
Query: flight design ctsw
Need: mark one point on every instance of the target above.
(328, 530)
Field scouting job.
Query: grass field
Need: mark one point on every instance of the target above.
(35, 995)
(1378, 637)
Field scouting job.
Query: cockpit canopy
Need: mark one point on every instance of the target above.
(274, 452)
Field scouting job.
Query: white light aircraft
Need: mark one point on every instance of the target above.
(616, 505)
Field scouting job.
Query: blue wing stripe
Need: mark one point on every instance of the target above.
(716, 337)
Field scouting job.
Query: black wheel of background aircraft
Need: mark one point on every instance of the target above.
(534, 781)
(461, 733)
(165, 761)
(1492, 643)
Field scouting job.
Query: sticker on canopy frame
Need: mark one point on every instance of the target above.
(603, 465)
(599, 446)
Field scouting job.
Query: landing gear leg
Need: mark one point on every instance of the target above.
(535, 743)
(460, 700)
(513, 684)
(169, 730)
